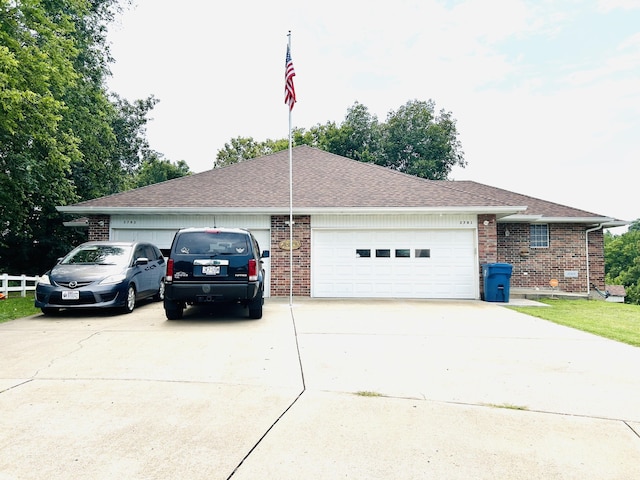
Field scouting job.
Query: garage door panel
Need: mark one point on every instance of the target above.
(449, 271)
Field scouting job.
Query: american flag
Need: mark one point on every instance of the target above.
(289, 89)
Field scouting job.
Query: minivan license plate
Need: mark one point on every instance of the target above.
(211, 270)
(70, 295)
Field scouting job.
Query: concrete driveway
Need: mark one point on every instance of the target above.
(328, 389)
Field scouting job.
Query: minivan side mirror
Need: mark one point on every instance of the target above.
(265, 254)
(142, 261)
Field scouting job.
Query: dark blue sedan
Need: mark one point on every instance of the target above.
(103, 275)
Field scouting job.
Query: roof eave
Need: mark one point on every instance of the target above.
(93, 210)
(606, 222)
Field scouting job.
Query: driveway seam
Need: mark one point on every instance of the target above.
(295, 400)
(632, 429)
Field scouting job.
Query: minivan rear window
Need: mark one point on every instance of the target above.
(212, 243)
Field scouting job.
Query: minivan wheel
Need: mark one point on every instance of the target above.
(158, 297)
(130, 303)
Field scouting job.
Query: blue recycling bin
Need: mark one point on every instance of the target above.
(497, 279)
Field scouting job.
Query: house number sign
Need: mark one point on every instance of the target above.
(287, 245)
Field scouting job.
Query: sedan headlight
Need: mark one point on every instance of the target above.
(44, 279)
(113, 279)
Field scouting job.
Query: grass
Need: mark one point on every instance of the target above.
(366, 393)
(17, 307)
(616, 321)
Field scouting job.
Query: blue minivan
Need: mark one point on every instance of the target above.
(103, 275)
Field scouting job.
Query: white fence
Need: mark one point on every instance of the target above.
(19, 283)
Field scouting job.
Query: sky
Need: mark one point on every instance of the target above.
(546, 93)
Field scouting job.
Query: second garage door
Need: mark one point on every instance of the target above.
(394, 264)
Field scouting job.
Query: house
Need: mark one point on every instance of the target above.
(615, 293)
(361, 230)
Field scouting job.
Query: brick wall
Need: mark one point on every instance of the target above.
(534, 267)
(487, 243)
(487, 239)
(98, 228)
(280, 280)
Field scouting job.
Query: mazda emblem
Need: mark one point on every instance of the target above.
(73, 284)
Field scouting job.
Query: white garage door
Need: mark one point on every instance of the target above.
(394, 264)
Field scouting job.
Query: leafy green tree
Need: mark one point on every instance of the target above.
(157, 169)
(359, 136)
(63, 138)
(414, 140)
(244, 148)
(37, 54)
(622, 261)
(417, 141)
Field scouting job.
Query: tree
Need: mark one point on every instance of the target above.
(244, 148)
(157, 169)
(417, 141)
(414, 140)
(622, 261)
(37, 55)
(63, 138)
(359, 136)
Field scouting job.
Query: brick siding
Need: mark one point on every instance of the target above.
(99, 228)
(534, 267)
(487, 243)
(280, 280)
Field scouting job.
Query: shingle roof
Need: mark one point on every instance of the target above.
(535, 206)
(321, 180)
(616, 290)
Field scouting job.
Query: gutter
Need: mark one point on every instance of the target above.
(605, 222)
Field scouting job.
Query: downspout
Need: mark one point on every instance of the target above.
(586, 241)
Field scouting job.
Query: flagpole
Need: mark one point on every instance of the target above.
(290, 197)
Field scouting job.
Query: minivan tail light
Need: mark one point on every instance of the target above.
(168, 278)
(253, 270)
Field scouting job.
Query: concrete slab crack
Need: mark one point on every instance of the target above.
(55, 359)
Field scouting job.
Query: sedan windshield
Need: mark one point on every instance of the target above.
(98, 255)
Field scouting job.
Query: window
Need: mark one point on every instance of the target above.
(539, 236)
(383, 253)
(403, 253)
(363, 253)
(423, 252)
(212, 243)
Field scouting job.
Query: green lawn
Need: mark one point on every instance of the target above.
(17, 307)
(616, 321)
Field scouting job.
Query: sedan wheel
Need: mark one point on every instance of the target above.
(130, 304)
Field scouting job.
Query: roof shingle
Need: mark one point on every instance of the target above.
(320, 180)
